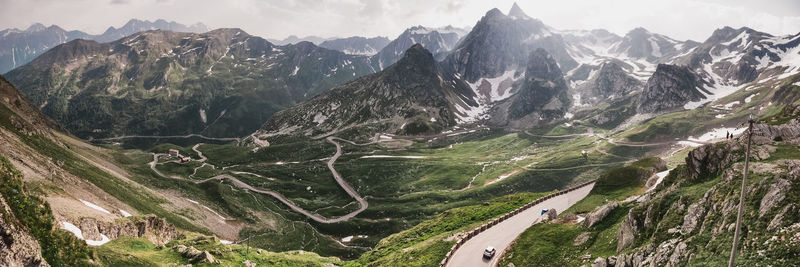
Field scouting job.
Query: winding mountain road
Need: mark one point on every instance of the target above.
(504, 233)
(316, 217)
(168, 136)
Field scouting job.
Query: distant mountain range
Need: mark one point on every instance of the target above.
(508, 70)
(223, 82)
(293, 39)
(439, 41)
(522, 73)
(18, 47)
(357, 45)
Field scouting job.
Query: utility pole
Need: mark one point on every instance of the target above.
(247, 252)
(741, 194)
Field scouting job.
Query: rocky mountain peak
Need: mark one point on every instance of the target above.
(36, 27)
(494, 13)
(638, 31)
(541, 65)
(516, 12)
(417, 55)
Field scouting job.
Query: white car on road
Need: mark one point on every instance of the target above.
(489, 252)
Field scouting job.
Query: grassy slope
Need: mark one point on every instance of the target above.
(552, 243)
(426, 243)
(129, 251)
(59, 248)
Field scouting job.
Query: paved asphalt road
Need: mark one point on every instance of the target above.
(349, 189)
(501, 235)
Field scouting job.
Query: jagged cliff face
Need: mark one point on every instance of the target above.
(412, 96)
(671, 87)
(690, 218)
(220, 83)
(18, 247)
(499, 43)
(155, 229)
(541, 96)
(607, 83)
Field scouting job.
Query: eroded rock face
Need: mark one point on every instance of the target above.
(541, 96)
(155, 229)
(194, 255)
(627, 232)
(670, 88)
(609, 83)
(599, 214)
(89, 229)
(776, 194)
(17, 246)
(694, 216)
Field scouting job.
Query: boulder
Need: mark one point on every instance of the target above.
(89, 229)
(600, 262)
(599, 214)
(551, 214)
(581, 239)
(204, 257)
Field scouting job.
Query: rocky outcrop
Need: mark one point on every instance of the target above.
(670, 88)
(627, 232)
(551, 214)
(775, 195)
(17, 246)
(194, 255)
(711, 159)
(581, 239)
(599, 214)
(609, 83)
(155, 229)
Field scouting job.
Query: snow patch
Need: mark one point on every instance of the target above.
(103, 239)
(750, 98)
(689, 143)
(320, 118)
(92, 205)
(79, 234)
(717, 134)
(203, 115)
(125, 213)
(661, 176)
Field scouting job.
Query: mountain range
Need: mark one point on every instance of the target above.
(357, 45)
(379, 152)
(18, 47)
(641, 71)
(219, 83)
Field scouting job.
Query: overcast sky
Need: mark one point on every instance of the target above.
(680, 19)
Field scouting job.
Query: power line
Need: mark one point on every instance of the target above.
(741, 194)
